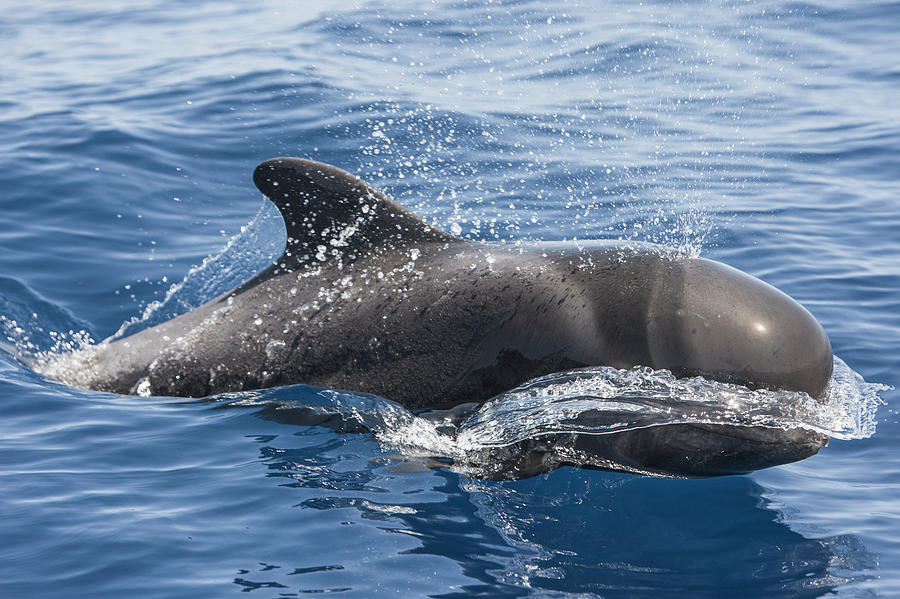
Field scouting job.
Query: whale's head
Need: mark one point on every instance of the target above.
(707, 318)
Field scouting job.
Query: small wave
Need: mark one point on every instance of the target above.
(31, 326)
(593, 401)
(606, 400)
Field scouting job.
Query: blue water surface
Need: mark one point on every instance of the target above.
(761, 134)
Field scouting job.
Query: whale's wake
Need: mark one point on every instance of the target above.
(489, 440)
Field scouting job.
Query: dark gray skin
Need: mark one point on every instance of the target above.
(368, 297)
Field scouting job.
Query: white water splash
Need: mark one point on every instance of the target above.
(607, 400)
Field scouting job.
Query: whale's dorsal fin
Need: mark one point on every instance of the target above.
(330, 213)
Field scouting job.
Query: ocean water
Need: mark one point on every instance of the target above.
(761, 134)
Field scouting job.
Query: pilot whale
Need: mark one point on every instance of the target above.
(369, 297)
